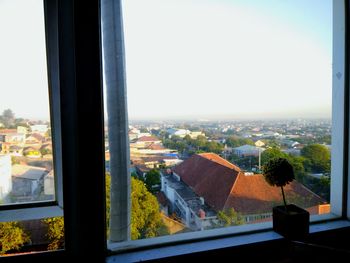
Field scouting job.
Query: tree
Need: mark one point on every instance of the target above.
(279, 172)
(235, 141)
(146, 219)
(229, 217)
(319, 158)
(8, 118)
(272, 153)
(55, 232)
(12, 237)
(152, 178)
(145, 215)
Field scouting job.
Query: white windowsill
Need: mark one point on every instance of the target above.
(30, 213)
(200, 246)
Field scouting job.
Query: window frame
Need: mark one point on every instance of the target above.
(75, 67)
(44, 209)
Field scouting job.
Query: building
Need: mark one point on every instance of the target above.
(247, 193)
(5, 176)
(39, 128)
(185, 203)
(27, 181)
(247, 150)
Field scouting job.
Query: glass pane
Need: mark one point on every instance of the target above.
(26, 166)
(216, 89)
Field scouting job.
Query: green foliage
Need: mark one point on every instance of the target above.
(12, 237)
(8, 118)
(318, 158)
(45, 151)
(229, 217)
(152, 178)
(235, 141)
(145, 216)
(272, 153)
(55, 232)
(278, 172)
(14, 160)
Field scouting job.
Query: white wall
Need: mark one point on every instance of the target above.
(5, 175)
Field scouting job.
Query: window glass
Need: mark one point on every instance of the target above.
(215, 90)
(26, 166)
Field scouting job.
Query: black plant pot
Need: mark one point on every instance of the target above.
(292, 224)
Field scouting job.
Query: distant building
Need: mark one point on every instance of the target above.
(39, 128)
(5, 176)
(27, 181)
(247, 150)
(224, 185)
(259, 143)
(178, 132)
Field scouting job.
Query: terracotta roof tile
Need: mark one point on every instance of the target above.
(208, 178)
(224, 185)
(148, 139)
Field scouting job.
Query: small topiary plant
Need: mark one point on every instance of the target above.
(279, 172)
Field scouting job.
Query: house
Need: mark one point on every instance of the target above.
(247, 150)
(185, 203)
(145, 141)
(246, 193)
(39, 128)
(11, 136)
(35, 138)
(178, 132)
(5, 176)
(27, 181)
(259, 143)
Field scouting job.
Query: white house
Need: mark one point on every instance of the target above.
(39, 128)
(247, 150)
(5, 176)
(192, 210)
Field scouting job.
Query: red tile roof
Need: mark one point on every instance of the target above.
(224, 185)
(148, 139)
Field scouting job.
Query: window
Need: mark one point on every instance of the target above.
(73, 32)
(30, 174)
(204, 87)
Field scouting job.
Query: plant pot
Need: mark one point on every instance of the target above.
(292, 224)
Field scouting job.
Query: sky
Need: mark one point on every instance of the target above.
(191, 58)
(218, 59)
(23, 73)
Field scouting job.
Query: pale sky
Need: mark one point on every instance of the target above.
(228, 58)
(23, 74)
(192, 58)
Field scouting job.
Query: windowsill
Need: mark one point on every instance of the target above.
(206, 245)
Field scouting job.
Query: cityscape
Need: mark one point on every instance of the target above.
(198, 175)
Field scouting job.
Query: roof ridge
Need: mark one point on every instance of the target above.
(233, 186)
(235, 167)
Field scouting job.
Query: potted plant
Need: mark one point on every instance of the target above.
(289, 220)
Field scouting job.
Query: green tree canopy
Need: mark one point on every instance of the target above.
(229, 217)
(55, 232)
(319, 158)
(272, 153)
(145, 216)
(235, 141)
(12, 237)
(8, 118)
(152, 178)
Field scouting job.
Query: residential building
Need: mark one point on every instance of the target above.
(247, 150)
(27, 181)
(186, 204)
(247, 193)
